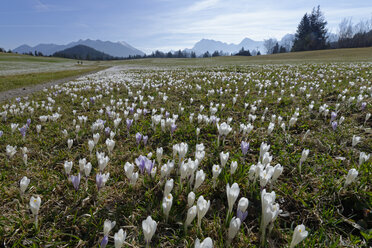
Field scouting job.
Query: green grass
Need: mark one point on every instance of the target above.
(13, 57)
(322, 56)
(9, 82)
(316, 198)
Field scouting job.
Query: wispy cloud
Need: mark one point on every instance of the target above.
(39, 6)
(202, 5)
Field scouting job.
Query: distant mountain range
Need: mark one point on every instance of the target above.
(83, 53)
(115, 49)
(205, 45)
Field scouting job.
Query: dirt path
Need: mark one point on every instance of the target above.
(20, 92)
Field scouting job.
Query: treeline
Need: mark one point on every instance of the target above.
(351, 36)
(312, 34)
(2, 50)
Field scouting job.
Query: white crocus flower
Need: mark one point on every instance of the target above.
(232, 194)
(233, 228)
(107, 226)
(119, 238)
(199, 179)
(223, 158)
(167, 205)
(110, 145)
(356, 140)
(149, 228)
(299, 234)
(216, 170)
(190, 199)
(233, 167)
(202, 207)
(69, 143)
(23, 184)
(351, 176)
(68, 166)
(207, 243)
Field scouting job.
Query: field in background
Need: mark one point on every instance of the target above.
(22, 70)
(322, 56)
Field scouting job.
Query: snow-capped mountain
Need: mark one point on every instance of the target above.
(205, 45)
(116, 49)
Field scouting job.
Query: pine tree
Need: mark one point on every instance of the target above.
(311, 32)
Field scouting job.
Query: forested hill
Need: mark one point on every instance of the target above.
(83, 52)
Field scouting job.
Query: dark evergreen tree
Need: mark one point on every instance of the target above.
(215, 54)
(206, 54)
(193, 54)
(258, 53)
(282, 49)
(276, 48)
(311, 32)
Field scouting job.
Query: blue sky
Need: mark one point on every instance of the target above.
(162, 24)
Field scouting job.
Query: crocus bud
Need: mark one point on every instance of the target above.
(168, 187)
(356, 140)
(190, 199)
(202, 207)
(223, 158)
(278, 170)
(159, 154)
(75, 181)
(23, 184)
(233, 167)
(68, 166)
(351, 176)
(234, 227)
(200, 177)
(242, 209)
(69, 143)
(149, 228)
(91, 145)
(299, 234)
(244, 147)
(87, 169)
(191, 214)
(232, 194)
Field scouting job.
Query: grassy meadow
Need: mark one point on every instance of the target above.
(203, 114)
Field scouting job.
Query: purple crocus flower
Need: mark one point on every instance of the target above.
(144, 139)
(23, 130)
(28, 122)
(173, 128)
(334, 125)
(18, 99)
(364, 104)
(107, 131)
(242, 215)
(129, 123)
(1, 133)
(99, 181)
(333, 116)
(166, 114)
(145, 112)
(75, 181)
(244, 146)
(213, 119)
(91, 100)
(104, 242)
(131, 110)
(141, 163)
(148, 165)
(138, 138)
